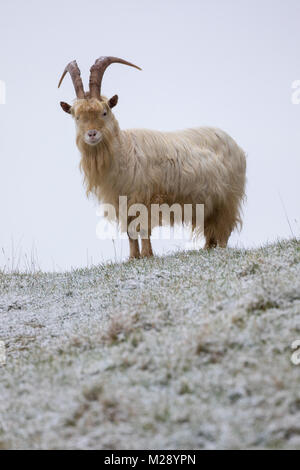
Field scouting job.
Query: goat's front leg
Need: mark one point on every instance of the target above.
(134, 248)
(133, 245)
(146, 248)
(146, 245)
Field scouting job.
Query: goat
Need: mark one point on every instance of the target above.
(192, 166)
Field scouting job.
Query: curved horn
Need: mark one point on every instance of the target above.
(97, 72)
(74, 71)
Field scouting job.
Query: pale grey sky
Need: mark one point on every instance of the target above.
(224, 63)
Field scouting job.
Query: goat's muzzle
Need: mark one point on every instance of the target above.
(93, 137)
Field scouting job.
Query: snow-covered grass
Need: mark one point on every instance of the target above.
(191, 351)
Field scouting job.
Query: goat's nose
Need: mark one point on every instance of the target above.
(92, 133)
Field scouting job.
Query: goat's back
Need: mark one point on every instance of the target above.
(203, 165)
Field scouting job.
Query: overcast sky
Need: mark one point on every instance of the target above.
(224, 63)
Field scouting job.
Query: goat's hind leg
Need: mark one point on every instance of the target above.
(211, 240)
(210, 243)
(217, 232)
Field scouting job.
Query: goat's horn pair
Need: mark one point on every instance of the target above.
(96, 75)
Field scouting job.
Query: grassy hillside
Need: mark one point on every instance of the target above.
(187, 351)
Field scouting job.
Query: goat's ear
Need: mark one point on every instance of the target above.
(113, 101)
(66, 107)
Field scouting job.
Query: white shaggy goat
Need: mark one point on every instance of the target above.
(193, 166)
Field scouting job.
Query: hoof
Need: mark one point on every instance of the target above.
(147, 255)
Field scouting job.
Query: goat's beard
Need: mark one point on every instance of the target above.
(96, 159)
